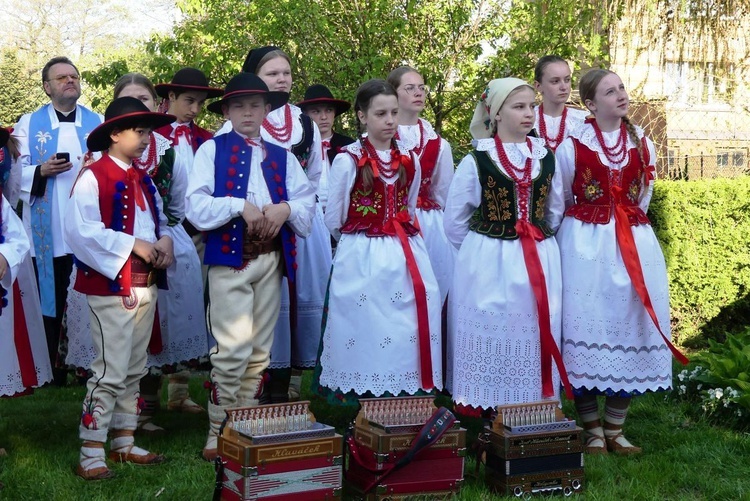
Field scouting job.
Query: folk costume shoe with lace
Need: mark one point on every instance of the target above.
(92, 464)
(135, 455)
(618, 444)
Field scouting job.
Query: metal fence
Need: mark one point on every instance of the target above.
(696, 142)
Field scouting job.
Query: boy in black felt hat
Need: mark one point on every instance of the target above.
(251, 198)
(113, 224)
(186, 94)
(320, 105)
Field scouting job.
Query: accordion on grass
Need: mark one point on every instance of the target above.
(403, 447)
(533, 449)
(278, 452)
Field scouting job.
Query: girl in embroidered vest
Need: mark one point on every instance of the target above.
(289, 128)
(616, 323)
(24, 361)
(553, 121)
(504, 307)
(436, 160)
(180, 337)
(381, 333)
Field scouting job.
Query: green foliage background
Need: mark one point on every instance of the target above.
(457, 45)
(703, 227)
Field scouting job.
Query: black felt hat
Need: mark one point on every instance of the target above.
(188, 79)
(320, 94)
(254, 56)
(4, 136)
(249, 84)
(124, 113)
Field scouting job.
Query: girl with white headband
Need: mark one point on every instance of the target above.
(504, 205)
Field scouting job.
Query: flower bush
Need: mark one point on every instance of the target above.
(720, 381)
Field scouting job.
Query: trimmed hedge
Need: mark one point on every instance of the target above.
(703, 227)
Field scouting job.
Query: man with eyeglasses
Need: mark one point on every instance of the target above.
(52, 142)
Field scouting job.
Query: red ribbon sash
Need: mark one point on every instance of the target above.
(632, 262)
(420, 296)
(22, 342)
(529, 235)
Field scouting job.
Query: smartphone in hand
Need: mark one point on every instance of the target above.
(62, 155)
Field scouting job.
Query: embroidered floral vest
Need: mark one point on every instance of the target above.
(117, 206)
(162, 178)
(427, 162)
(594, 182)
(371, 208)
(496, 215)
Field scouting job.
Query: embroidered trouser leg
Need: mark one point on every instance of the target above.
(121, 329)
(242, 311)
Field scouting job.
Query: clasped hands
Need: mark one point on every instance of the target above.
(160, 254)
(265, 224)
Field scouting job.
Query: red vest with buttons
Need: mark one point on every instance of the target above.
(594, 183)
(117, 206)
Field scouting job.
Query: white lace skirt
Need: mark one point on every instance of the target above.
(609, 341)
(441, 251)
(370, 340)
(494, 352)
(11, 382)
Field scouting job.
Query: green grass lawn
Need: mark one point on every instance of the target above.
(683, 459)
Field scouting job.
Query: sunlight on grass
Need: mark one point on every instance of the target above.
(683, 459)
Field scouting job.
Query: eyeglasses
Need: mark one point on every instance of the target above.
(64, 78)
(411, 88)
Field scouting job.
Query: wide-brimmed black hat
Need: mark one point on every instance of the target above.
(320, 94)
(4, 136)
(254, 56)
(125, 113)
(249, 84)
(188, 79)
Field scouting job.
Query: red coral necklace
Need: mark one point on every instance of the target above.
(521, 176)
(283, 132)
(388, 170)
(422, 142)
(617, 153)
(150, 162)
(552, 143)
